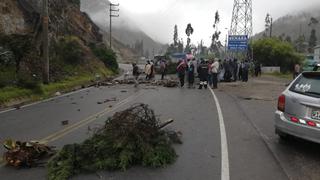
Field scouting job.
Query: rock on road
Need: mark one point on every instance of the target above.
(254, 152)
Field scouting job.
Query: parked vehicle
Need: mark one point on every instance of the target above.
(298, 111)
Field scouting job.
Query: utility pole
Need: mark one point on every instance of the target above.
(112, 15)
(45, 41)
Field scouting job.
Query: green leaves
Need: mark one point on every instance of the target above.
(107, 56)
(131, 137)
(273, 52)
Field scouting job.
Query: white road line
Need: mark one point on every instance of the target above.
(224, 143)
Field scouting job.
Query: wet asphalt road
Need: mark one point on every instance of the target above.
(255, 152)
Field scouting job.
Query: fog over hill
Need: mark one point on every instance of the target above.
(123, 29)
(296, 24)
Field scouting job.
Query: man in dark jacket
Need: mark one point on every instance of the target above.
(203, 74)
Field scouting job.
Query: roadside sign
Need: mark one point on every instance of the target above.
(238, 42)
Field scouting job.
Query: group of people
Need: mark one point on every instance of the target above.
(213, 71)
(207, 72)
(232, 70)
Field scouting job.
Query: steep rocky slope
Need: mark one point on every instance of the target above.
(20, 32)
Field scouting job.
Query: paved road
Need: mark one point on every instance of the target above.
(253, 151)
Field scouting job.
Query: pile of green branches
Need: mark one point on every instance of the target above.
(131, 137)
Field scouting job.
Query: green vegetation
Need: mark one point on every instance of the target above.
(131, 137)
(41, 91)
(107, 56)
(68, 49)
(71, 64)
(273, 52)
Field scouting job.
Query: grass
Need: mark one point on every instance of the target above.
(9, 94)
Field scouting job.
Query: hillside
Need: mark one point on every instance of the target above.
(296, 24)
(124, 30)
(77, 52)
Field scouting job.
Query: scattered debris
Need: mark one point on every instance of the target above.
(17, 107)
(171, 83)
(64, 123)
(107, 100)
(26, 154)
(165, 83)
(79, 110)
(131, 137)
(57, 93)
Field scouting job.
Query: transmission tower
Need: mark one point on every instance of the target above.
(241, 23)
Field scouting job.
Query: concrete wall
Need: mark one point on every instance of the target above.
(270, 69)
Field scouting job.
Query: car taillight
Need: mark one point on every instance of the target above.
(294, 119)
(281, 103)
(311, 123)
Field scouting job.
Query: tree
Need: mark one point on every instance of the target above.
(189, 31)
(300, 44)
(312, 40)
(313, 37)
(175, 36)
(216, 19)
(273, 52)
(215, 42)
(313, 21)
(288, 39)
(180, 46)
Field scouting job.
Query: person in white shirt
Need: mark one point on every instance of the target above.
(215, 70)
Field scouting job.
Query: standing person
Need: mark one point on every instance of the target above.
(152, 74)
(221, 71)
(235, 70)
(163, 68)
(215, 69)
(245, 71)
(195, 64)
(191, 71)
(240, 71)
(231, 66)
(227, 72)
(135, 73)
(297, 69)
(181, 70)
(203, 74)
(210, 73)
(147, 70)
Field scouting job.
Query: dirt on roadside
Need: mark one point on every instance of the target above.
(264, 88)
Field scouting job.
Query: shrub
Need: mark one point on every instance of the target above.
(107, 56)
(273, 52)
(69, 50)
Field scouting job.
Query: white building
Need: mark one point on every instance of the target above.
(317, 53)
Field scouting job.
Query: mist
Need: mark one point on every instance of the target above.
(157, 18)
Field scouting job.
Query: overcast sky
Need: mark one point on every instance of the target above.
(158, 17)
